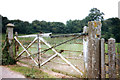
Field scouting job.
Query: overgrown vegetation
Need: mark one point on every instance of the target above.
(6, 58)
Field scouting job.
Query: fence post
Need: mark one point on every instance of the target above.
(111, 54)
(103, 75)
(85, 49)
(10, 38)
(94, 35)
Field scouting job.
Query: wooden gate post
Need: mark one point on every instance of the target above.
(0, 40)
(94, 35)
(112, 55)
(10, 38)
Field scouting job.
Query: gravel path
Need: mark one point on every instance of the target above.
(7, 73)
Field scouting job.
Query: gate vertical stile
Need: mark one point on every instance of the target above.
(16, 45)
(85, 50)
(40, 49)
(38, 35)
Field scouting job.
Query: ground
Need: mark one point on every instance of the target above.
(5, 72)
(55, 74)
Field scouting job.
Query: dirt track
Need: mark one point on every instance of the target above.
(7, 73)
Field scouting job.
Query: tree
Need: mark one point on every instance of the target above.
(115, 28)
(5, 21)
(36, 26)
(95, 15)
(57, 27)
(75, 26)
(110, 28)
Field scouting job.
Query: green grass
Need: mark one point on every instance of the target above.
(30, 72)
(117, 45)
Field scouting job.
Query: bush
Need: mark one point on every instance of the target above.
(6, 58)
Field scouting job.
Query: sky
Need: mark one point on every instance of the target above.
(56, 10)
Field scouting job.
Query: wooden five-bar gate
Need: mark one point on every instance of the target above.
(97, 62)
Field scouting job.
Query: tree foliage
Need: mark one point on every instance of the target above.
(111, 28)
(95, 15)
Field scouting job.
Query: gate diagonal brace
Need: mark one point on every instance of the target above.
(26, 50)
(53, 56)
(56, 53)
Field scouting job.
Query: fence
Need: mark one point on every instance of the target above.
(97, 62)
(110, 59)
